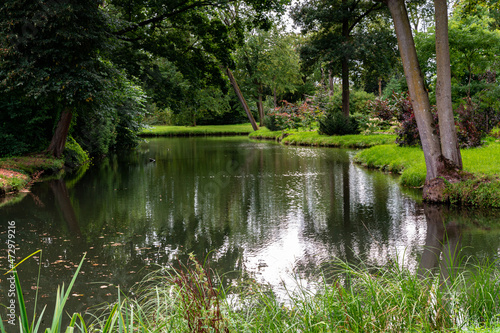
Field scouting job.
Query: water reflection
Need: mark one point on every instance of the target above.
(275, 212)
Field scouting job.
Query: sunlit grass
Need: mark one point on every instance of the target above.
(312, 138)
(163, 130)
(410, 163)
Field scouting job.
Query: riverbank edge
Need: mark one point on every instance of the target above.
(478, 190)
(201, 130)
(20, 172)
(314, 139)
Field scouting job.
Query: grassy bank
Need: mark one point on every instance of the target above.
(163, 130)
(483, 190)
(18, 172)
(355, 299)
(301, 138)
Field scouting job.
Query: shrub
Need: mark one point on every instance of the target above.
(407, 132)
(381, 109)
(336, 123)
(292, 116)
(474, 123)
(274, 122)
(358, 101)
(73, 154)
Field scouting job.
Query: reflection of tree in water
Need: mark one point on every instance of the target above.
(442, 244)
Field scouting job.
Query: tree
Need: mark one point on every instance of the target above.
(448, 133)
(336, 30)
(437, 164)
(50, 55)
(196, 36)
(268, 62)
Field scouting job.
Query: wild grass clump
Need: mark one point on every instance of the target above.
(477, 192)
(349, 299)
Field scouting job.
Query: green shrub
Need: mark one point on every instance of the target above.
(274, 122)
(358, 101)
(335, 123)
(73, 154)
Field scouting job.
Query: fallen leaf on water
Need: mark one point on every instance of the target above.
(76, 295)
(117, 244)
(102, 287)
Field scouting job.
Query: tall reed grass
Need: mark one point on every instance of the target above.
(191, 298)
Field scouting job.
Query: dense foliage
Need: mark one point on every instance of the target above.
(336, 123)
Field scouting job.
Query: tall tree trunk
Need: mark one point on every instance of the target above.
(345, 67)
(56, 146)
(345, 86)
(380, 87)
(447, 131)
(260, 106)
(241, 99)
(418, 94)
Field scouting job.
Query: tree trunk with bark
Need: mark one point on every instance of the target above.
(241, 99)
(330, 83)
(437, 164)
(447, 130)
(260, 106)
(56, 146)
(418, 94)
(345, 69)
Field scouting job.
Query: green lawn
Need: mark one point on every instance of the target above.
(482, 190)
(312, 138)
(163, 130)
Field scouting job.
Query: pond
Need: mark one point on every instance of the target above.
(276, 213)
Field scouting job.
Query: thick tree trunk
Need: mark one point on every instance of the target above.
(418, 94)
(241, 99)
(380, 87)
(345, 86)
(447, 131)
(56, 146)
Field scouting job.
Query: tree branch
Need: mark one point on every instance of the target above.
(160, 18)
(374, 7)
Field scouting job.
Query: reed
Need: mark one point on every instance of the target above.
(350, 298)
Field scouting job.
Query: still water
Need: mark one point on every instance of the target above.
(277, 213)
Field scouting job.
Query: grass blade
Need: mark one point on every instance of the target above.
(22, 306)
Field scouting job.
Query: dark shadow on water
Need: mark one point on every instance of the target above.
(443, 241)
